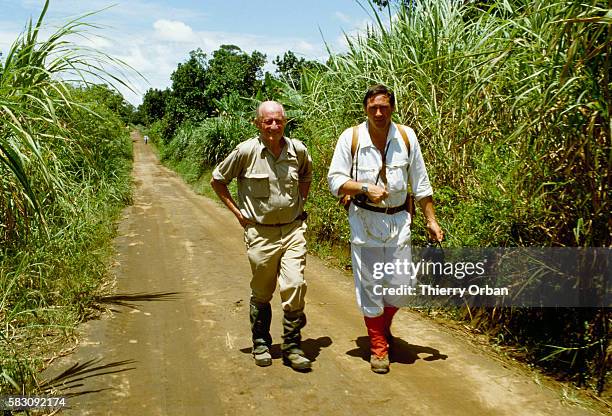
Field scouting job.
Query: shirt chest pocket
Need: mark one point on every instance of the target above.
(290, 182)
(397, 175)
(288, 177)
(257, 185)
(366, 168)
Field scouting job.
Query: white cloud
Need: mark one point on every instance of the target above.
(342, 17)
(305, 46)
(173, 30)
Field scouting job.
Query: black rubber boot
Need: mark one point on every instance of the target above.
(293, 356)
(261, 318)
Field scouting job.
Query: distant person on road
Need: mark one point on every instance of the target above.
(372, 163)
(146, 139)
(274, 175)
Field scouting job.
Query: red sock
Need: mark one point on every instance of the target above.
(376, 332)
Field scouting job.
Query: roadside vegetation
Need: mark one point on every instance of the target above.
(65, 158)
(511, 102)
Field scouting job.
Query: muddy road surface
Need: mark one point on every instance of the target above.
(177, 341)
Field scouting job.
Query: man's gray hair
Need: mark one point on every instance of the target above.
(269, 104)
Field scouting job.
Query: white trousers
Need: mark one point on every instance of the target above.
(381, 257)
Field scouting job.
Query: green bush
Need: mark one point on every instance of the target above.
(206, 143)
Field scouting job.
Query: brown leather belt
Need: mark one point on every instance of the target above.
(389, 210)
(274, 225)
(301, 217)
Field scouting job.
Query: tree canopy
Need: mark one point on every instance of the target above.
(232, 70)
(153, 105)
(290, 68)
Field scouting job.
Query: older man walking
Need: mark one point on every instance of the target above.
(274, 175)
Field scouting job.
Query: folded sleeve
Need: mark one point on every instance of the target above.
(231, 167)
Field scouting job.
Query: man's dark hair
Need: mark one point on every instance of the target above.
(376, 90)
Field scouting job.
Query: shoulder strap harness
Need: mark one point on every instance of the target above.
(355, 140)
(410, 205)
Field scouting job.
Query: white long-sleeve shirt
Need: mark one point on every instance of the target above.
(369, 227)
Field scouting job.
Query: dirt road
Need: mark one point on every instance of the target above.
(188, 353)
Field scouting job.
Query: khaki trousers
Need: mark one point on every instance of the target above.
(277, 253)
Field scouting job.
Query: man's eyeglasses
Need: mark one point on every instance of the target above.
(270, 121)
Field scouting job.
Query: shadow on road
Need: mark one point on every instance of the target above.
(74, 376)
(311, 347)
(127, 299)
(400, 351)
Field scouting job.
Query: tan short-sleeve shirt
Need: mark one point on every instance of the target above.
(268, 188)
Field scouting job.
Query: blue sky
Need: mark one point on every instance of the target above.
(154, 36)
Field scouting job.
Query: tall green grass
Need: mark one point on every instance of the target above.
(64, 175)
(511, 105)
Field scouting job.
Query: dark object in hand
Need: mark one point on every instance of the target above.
(361, 198)
(434, 253)
(346, 200)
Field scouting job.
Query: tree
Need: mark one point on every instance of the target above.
(113, 100)
(233, 71)
(290, 68)
(189, 83)
(153, 105)
(199, 84)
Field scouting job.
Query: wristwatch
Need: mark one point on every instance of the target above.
(364, 188)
